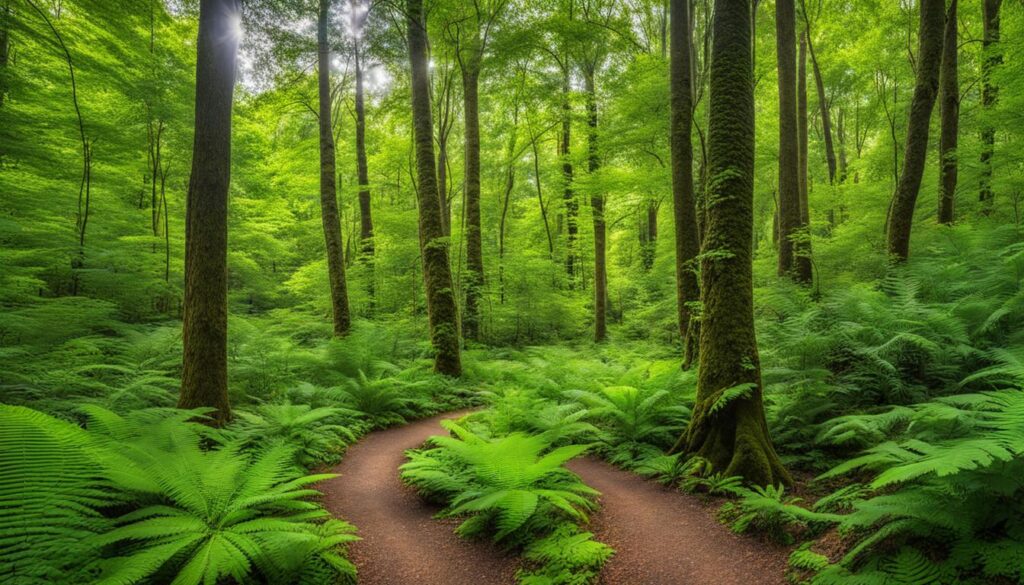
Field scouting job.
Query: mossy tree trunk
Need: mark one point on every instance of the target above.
(929, 59)
(597, 210)
(991, 58)
(789, 147)
(474, 278)
(204, 375)
(684, 201)
(366, 247)
(731, 434)
(331, 220)
(949, 104)
(437, 276)
(568, 195)
(802, 247)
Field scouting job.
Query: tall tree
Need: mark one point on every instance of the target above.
(991, 58)
(470, 46)
(949, 104)
(728, 426)
(823, 105)
(333, 241)
(926, 88)
(789, 147)
(802, 245)
(366, 247)
(684, 201)
(204, 375)
(437, 276)
(597, 207)
(568, 194)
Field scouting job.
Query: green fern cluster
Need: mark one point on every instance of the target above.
(137, 499)
(516, 489)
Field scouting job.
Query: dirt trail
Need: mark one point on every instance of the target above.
(402, 542)
(662, 537)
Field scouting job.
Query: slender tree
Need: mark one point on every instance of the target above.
(823, 105)
(204, 376)
(568, 194)
(684, 202)
(789, 147)
(991, 58)
(802, 245)
(728, 426)
(366, 247)
(949, 104)
(929, 60)
(333, 241)
(437, 276)
(597, 208)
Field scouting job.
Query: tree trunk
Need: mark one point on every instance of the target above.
(991, 59)
(819, 83)
(328, 177)
(684, 202)
(365, 215)
(802, 247)
(789, 147)
(204, 375)
(568, 195)
(728, 427)
(437, 276)
(949, 104)
(649, 235)
(597, 207)
(925, 91)
(474, 280)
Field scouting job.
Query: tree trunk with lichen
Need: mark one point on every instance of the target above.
(437, 276)
(334, 244)
(901, 214)
(949, 104)
(204, 375)
(731, 434)
(991, 58)
(684, 201)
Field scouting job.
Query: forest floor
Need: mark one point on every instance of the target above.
(660, 536)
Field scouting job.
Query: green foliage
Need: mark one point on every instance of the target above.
(316, 434)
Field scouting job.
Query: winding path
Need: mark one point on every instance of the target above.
(660, 536)
(402, 543)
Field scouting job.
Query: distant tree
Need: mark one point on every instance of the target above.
(360, 12)
(789, 147)
(441, 306)
(929, 60)
(949, 104)
(728, 426)
(204, 376)
(992, 57)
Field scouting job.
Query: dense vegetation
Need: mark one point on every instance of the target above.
(766, 252)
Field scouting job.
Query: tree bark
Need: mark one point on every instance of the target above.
(925, 91)
(802, 247)
(568, 195)
(819, 83)
(597, 209)
(684, 201)
(649, 235)
(991, 59)
(474, 280)
(328, 176)
(437, 276)
(362, 170)
(949, 104)
(731, 432)
(789, 147)
(204, 376)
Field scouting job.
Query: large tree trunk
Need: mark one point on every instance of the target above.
(328, 177)
(728, 427)
(991, 59)
(474, 280)
(568, 195)
(437, 276)
(789, 147)
(949, 104)
(926, 89)
(684, 201)
(597, 207)
(204, 375)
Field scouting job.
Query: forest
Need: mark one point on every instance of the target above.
(537, 292)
